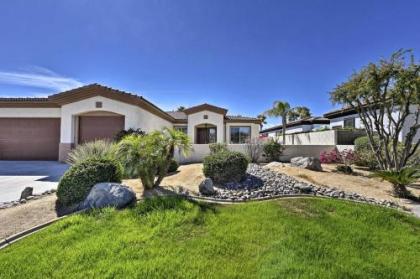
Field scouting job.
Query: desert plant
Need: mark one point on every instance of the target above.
(173, 166)
(386, 95)
(223, 167)
(141, 157)
(364, 152)
(217, 147)
(149, 155)
(98, 149)
(123, 133)
(76, 183)
(272, 149)
(400, 180)
(344, 169)
(254, 149)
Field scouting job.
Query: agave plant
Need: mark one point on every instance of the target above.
(400, 180)
(98, 149)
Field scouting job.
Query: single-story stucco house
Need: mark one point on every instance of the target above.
(349, 118)
(298, 126)
(48, 128)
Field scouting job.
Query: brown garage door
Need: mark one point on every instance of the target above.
(29, 138)
(99, 127)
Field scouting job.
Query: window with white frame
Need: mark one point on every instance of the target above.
(240, 134)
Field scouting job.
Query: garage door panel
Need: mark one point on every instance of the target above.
(99, 127)
(29, 138)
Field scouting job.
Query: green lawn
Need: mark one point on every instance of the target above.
(176, 238)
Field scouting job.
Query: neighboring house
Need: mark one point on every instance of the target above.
(298, 126)
(349, 118)
(48, 128)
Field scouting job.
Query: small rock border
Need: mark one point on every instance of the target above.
(9, 204)
(261, 183)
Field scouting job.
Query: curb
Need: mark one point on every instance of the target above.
(21, 235)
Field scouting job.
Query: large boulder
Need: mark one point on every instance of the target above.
(206, 187)
(310, 163)
(108, 194)
(27, 192)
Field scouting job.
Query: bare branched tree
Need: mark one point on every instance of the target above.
(386, 96)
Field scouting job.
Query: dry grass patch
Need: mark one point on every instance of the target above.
(360, 182)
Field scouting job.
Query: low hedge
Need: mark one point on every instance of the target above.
(227, 166)
(365, 155)
(76, 183)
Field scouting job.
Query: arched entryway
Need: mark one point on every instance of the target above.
(98, 125)
(205, 134)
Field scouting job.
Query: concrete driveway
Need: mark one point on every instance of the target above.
(16, 175)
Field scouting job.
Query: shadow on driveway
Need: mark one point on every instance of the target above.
(16, 175)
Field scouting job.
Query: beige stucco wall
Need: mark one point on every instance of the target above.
(197, 118)
(30, 112)
(135, 117)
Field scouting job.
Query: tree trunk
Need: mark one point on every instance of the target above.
(283, 119)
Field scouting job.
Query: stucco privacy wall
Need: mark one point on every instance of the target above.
(30, 112)
(213, 118)
(135, 117)
(313, 138)
(255, 129)
(202, 150)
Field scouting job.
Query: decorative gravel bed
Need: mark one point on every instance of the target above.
(4, 205)
(261, 183)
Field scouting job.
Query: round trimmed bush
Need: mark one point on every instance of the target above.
(223, 167)
(76, 182)
(173, 166)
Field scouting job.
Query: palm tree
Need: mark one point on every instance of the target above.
(280, 109)
(400, 179)
(174, 141)
(263, 119)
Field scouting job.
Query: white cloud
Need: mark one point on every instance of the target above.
(39, 77)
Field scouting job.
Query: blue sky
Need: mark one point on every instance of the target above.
(242, 55)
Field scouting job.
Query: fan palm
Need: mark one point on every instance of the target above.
(280, 109)
(400, 179)
(174, 141)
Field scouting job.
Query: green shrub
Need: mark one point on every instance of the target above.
(223, 167)
(272, 150)
(76, 183)
(344, 169)
(173, 166)
(123, 133)
(365, 155)
(98, 149)
(217, 147)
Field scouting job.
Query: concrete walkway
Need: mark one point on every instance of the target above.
(16, 175)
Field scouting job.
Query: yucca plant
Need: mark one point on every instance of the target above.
(98, 149)
(400, 180)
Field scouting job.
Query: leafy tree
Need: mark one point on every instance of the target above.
(298, 113)
(386, 95)
(180, 108)
(280, 109)
(400, 179)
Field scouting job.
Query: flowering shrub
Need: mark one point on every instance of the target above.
(346, 157)
(329, 157)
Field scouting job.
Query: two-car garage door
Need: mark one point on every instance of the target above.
(29, 138)
(39, 138)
